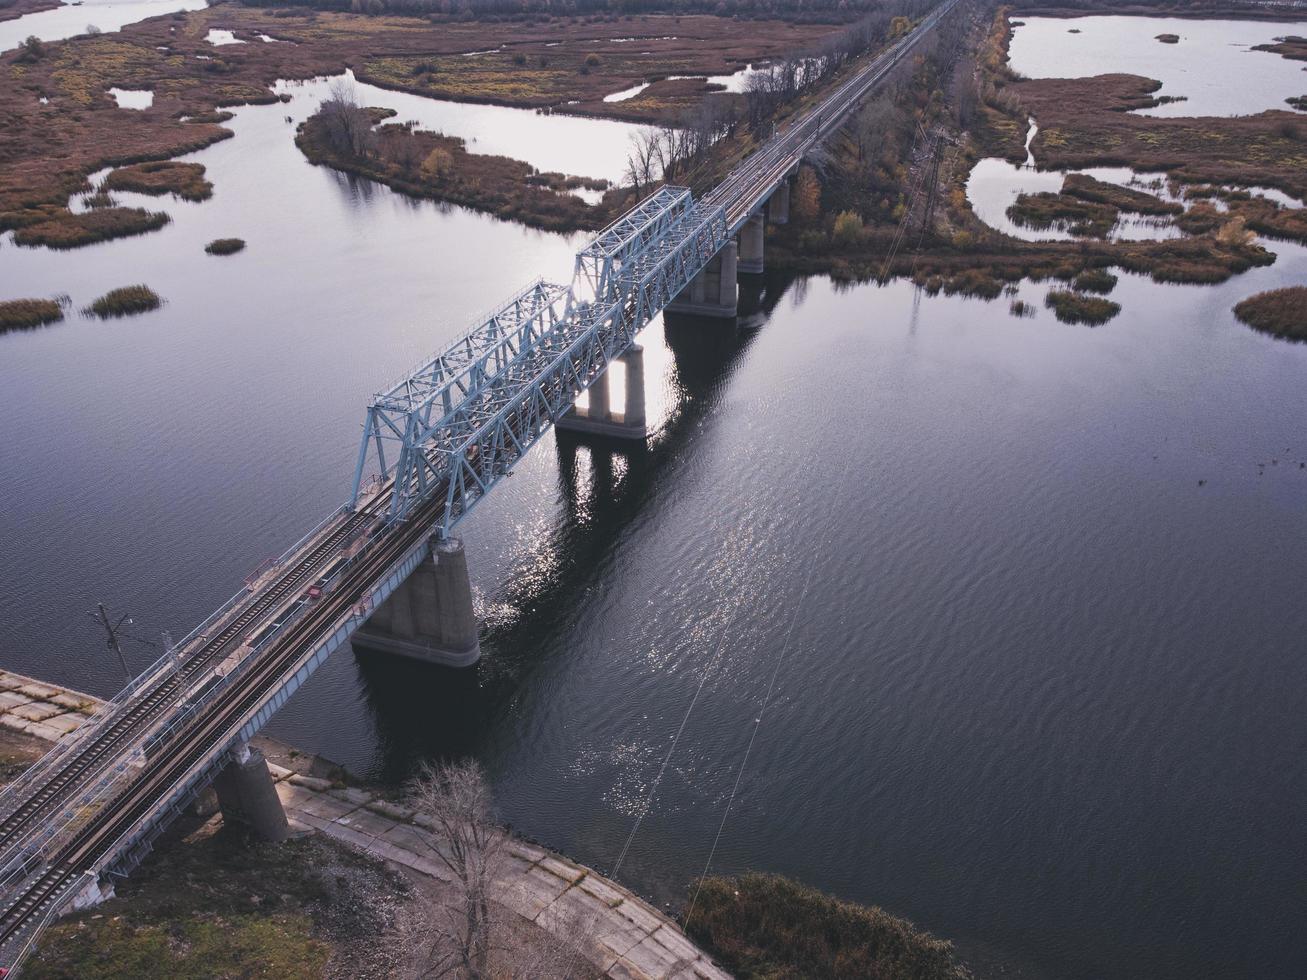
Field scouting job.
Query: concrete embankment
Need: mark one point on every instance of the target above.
(619, 933)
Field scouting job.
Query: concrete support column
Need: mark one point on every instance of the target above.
(751, 246)
(713, 292)
(599, 419)
(430, 617)
(247, 795)
(778, 206)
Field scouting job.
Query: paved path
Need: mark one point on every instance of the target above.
(623, 936)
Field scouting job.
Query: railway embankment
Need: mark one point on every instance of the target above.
(617, 933)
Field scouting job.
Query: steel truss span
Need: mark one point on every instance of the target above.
(441, 439)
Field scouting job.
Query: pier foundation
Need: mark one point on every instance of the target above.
(430, 617)
(599, 418)
(713, 292)
(751, 246)
(247, 795)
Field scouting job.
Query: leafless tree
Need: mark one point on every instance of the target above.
(348, 125)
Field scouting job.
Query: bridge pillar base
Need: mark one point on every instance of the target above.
(713, 292)
(751, 246)
(599, 419)
(247, 795)
(778, 205)
(430, 617)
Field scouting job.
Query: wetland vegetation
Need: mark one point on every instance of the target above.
(125, 301)
(1279, 312)
(24, 314)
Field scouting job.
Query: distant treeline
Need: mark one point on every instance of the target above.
(800, 11)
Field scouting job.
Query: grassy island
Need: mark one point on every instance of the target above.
(225, 246)
(1279, 312)
(65, 229)
(186, 180)
(125, 301)
(1072, 307)
(765, 926)
(1045, 210)
(1095, 281)
(23, 314)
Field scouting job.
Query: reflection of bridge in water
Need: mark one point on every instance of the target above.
(383, 570)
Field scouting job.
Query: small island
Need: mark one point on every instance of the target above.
(1168, 38)
(24, 314)
(125, 301)
(1278, 312)
(1072, 307)
(225, 246)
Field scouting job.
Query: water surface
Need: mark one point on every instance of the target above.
(1212, 66)
(73, 18)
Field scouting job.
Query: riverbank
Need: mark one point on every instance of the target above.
(388, 849)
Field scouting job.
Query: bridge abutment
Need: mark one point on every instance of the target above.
(430, 617)
(248, 795)
(713, 292)
(599, 418)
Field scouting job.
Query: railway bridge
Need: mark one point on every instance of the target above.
(384, 570)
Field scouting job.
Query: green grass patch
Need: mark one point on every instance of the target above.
(1279, 312)
(126, 301)
(186, 180)
(765, 926)
(24, 314)
(68, 230)
(1072, 307)
(225, 246)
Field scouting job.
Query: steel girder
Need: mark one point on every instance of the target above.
(464, 417)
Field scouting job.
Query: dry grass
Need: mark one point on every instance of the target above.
(225, 246)
(67, 230)
(186, 180)
(24, 314)
(765, 926)
(1279, 312)
(125, 301)
(1072, 307)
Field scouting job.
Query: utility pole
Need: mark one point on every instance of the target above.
(115, 630)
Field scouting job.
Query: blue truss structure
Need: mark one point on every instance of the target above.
(462, 419)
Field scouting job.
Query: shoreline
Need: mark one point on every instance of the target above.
(627, 936)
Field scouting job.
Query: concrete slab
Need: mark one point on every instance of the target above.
(564, 870)
(35, 711)
(351, 795)
(38, 730)
(68, 722)
(651, 959)
(73, 703)
(279, 772)
(392, 810)
(366, 822)
(327, 807)
(39, 692)
(311, 782)
(12, 699)
(294, 797)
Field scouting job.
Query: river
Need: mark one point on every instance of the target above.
(1028, 596)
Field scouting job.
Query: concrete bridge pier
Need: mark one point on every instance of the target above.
(778, 205)
(599, 419)
(247, 795)
(713, 292)
(430, 617)
(751, 246)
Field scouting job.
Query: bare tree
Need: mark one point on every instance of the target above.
(460, 930)
(348, 126)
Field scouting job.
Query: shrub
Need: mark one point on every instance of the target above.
(592, 60)
(963, 240)
(225, 246)
(33, 49)
(848, 226)
(519, 59)
(1279, 312)
(125, 301)
(1072, 307)
(768, 926)
(23, 314)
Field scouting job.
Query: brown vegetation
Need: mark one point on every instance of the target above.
(186, 180)
(24, 314)
(1168, 38)
(1077, 217)
(1292, 47)
(225, 246)
(1279, 312)
(766, 926)
(1071, 307)
(62, 229)
(1122, 198)
(125, 301)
